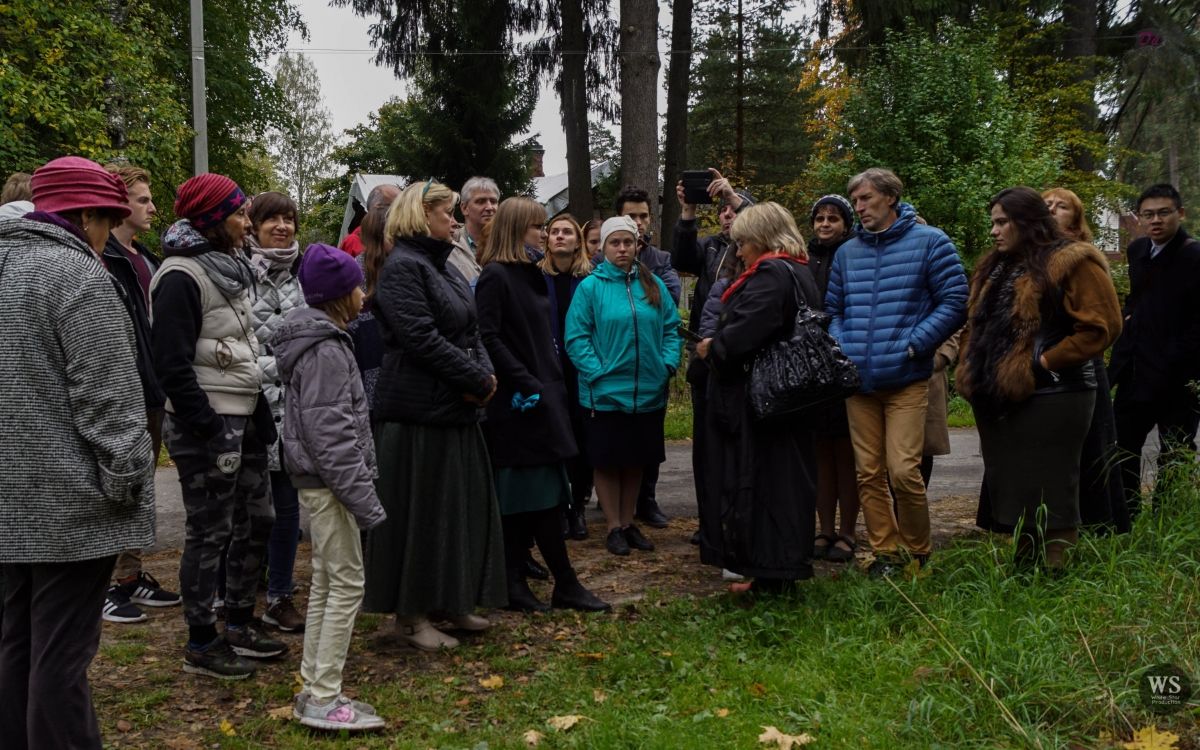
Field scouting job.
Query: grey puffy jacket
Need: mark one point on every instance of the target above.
(327, 438)
(276, 293)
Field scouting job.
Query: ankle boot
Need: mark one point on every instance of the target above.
(650, 514)
(521, 597)
(418, 632)
(576, 524)
(572, 595)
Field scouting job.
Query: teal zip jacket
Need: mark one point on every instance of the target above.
(625, 348)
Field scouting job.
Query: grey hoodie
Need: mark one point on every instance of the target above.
(327, 438)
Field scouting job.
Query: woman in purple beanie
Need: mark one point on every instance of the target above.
(77, 485)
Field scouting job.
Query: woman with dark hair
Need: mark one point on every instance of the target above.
(218, 424)
(439, 554)
(832, 221)
(275, 259)
(758, 512)
(78, 481)
(564, 266)
(529, 424)
(364, 330)
(1041, 308)
(622, 333)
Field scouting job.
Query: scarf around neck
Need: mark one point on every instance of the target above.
(269, 259)
(230, 272)
(753, 269)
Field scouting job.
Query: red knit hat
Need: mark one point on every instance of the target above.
(72, 183)
(208, 199)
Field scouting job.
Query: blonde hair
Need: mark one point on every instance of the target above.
(581, 265)
(504, 235)
(771, 226)
(406, 217)
(341, 310)
(1078, 229)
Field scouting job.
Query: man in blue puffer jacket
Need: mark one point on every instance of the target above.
(897, 290)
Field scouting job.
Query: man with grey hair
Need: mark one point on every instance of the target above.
(478, 201)
(897, 290)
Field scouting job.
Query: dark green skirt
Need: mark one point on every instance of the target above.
(523, 489)
(441, 547)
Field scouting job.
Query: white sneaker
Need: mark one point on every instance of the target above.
(729, 575)
(339, 714)
(303, 696)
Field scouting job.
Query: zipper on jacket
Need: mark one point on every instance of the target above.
(637, 352)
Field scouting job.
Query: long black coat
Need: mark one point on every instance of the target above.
(514, 321)
(432, 350)
(757, 511)
(136, 305)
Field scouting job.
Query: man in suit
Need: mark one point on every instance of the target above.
(1156, 362)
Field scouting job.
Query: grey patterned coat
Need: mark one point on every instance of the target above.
(277, 292)
(78, 478)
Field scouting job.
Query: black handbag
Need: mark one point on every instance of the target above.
(805, 371)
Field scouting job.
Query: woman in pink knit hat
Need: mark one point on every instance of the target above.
(77, 485)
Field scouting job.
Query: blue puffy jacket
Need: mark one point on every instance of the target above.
(895, 296)
(624, 348)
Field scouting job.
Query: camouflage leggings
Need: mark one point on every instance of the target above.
(227, 497)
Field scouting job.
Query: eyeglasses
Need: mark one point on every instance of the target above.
(1162, 213)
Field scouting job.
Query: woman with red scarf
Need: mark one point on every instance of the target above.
(762, 474)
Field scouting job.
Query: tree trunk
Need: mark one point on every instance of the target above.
(573, 97)
(675, 156)
(639, 100)
(1080, 18)
(739, 124)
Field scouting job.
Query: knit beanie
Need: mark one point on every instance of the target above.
(208, 199)
(838, 202)
(72, 183)
(617, 224)
(327, 273)
(745, 196)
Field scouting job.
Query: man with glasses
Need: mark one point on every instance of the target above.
(1156, 362)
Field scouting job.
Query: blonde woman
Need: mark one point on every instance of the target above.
(439, 553)
(758, 515)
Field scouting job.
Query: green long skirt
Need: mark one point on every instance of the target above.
(441, 547)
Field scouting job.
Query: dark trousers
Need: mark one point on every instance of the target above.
(1176, 417)
(51, 633)
(285, 536)
(227, 496)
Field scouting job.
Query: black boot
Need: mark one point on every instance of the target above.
(572, 595)
(650, 514)
(520, 596)
(531, 569)
(576, 524)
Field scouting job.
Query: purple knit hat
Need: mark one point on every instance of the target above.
(72, 183)
(327, 273)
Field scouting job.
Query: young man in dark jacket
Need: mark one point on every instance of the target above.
(1156, 361)
(132, 265)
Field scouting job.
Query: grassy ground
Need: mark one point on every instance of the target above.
(975, 653)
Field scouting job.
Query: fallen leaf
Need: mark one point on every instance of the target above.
(448, 680)
(564, 723)
(1152, 738)
(181, 742)
(124, 726)
(758, 689)
(590, 655)
(227, 728)
(783, 741)
(722, 712)
(283, 713)
(463, 702)
(666, 654)
(532, 738)
(599, 695)
(495, 682)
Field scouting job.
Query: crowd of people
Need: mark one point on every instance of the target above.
(441, 397)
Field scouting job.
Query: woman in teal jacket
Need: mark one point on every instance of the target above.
(622, 334)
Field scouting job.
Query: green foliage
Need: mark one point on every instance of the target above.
(934, 109)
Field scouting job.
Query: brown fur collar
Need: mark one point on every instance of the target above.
(1011, 375)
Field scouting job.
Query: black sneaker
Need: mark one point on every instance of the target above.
(249, 641)
(219, 660)
(616, 543)
(636, 539)
(145, 590)
(118, 608)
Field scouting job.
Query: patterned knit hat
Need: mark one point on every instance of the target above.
(838, 202)
(72, 183)
(208, 199)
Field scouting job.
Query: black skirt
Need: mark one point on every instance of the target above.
(616, 440)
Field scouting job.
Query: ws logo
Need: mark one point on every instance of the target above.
(1165, 688)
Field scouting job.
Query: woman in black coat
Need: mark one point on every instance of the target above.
(440, 549)
(762, 474)
(528, 424)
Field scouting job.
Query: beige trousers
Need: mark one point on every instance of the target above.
(887, 429)
(335, 594)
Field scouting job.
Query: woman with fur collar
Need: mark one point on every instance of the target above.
(1041, 308)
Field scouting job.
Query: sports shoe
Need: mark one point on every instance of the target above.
(637, 539)
(283, 615)
(338, 714)
(219, 660)
(145, 590)
(249, 641)
(729, 575)
(118, 608)
(303, 697)
(884, 567)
